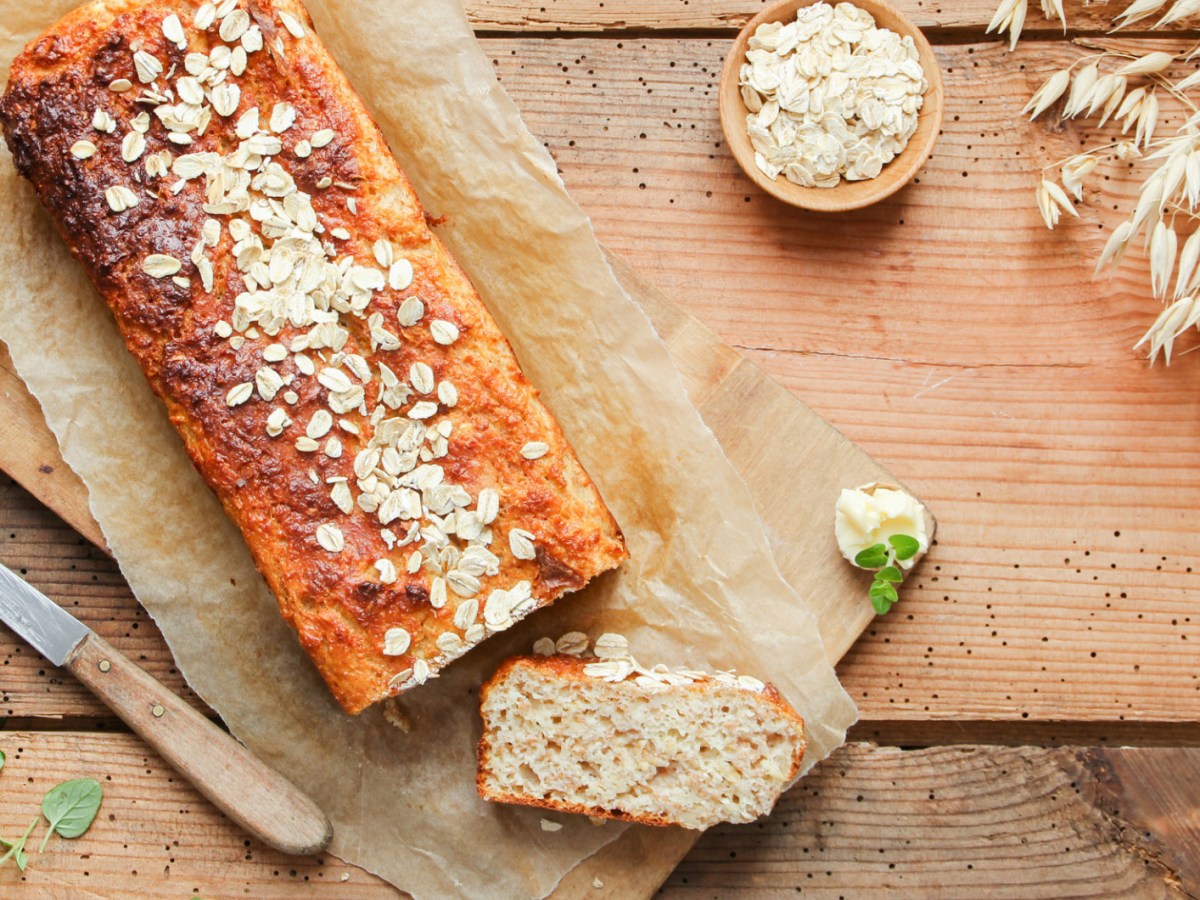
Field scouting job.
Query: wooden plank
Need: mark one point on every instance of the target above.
(1004, 393)
(968, 16)
(913, 733)
(642, 150)
(1156, 792)
(1006, 822)
(956, 821)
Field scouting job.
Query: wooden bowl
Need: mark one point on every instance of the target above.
(848, 194)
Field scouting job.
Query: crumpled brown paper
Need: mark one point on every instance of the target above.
(701, 589)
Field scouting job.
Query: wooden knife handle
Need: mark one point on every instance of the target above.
(255, 796)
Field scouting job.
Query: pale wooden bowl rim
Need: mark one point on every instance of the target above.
(847, 195)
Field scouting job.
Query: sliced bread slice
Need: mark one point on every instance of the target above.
(607, 738)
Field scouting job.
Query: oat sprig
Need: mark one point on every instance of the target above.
(1125, 91)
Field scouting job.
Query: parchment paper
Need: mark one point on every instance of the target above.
(702, 588)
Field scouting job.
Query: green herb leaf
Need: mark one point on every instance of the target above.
(3, 760)
(906, 546)
(872, 558)
(16, 849)
(885, 590)
(882, 595)
(891, 573)
(71, 807)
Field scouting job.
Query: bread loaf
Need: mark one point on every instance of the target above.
(333, 374)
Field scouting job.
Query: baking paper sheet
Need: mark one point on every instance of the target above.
(701, 589)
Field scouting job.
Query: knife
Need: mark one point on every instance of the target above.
(255, 796)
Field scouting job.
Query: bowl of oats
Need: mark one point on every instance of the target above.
(831, 107)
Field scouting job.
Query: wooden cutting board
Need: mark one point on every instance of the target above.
(793, 461)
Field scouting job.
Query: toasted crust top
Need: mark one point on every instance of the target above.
(571, 669)
(346, 587)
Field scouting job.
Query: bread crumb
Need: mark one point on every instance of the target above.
(547, 825)
(597, 883)
(345, 876)
(394, 715)
(598, 820)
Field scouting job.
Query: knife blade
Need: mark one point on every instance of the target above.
(53, 632)
(238, 783)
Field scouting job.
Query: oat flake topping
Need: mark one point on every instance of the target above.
(611, 660)
(299, 291)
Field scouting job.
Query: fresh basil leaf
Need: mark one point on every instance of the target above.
(891, 573)
(881, 604)
(3, 760)
(71, 807)
(906, 547)
(872, 557)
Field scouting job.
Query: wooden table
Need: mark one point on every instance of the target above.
(1030, 709)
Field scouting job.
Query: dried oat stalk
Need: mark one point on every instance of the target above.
(1123, 91)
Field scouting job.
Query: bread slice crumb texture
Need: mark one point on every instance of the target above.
(690, 754)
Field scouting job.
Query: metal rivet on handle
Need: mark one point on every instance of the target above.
(158, 711)
(104, 665)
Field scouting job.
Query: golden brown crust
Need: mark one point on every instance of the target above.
(570, 670)
(275, 493)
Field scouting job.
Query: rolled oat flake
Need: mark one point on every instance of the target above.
(830, 95)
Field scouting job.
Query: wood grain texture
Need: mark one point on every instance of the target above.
(834, 590)
(959, 18)
(960, 820)
(965, 821)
